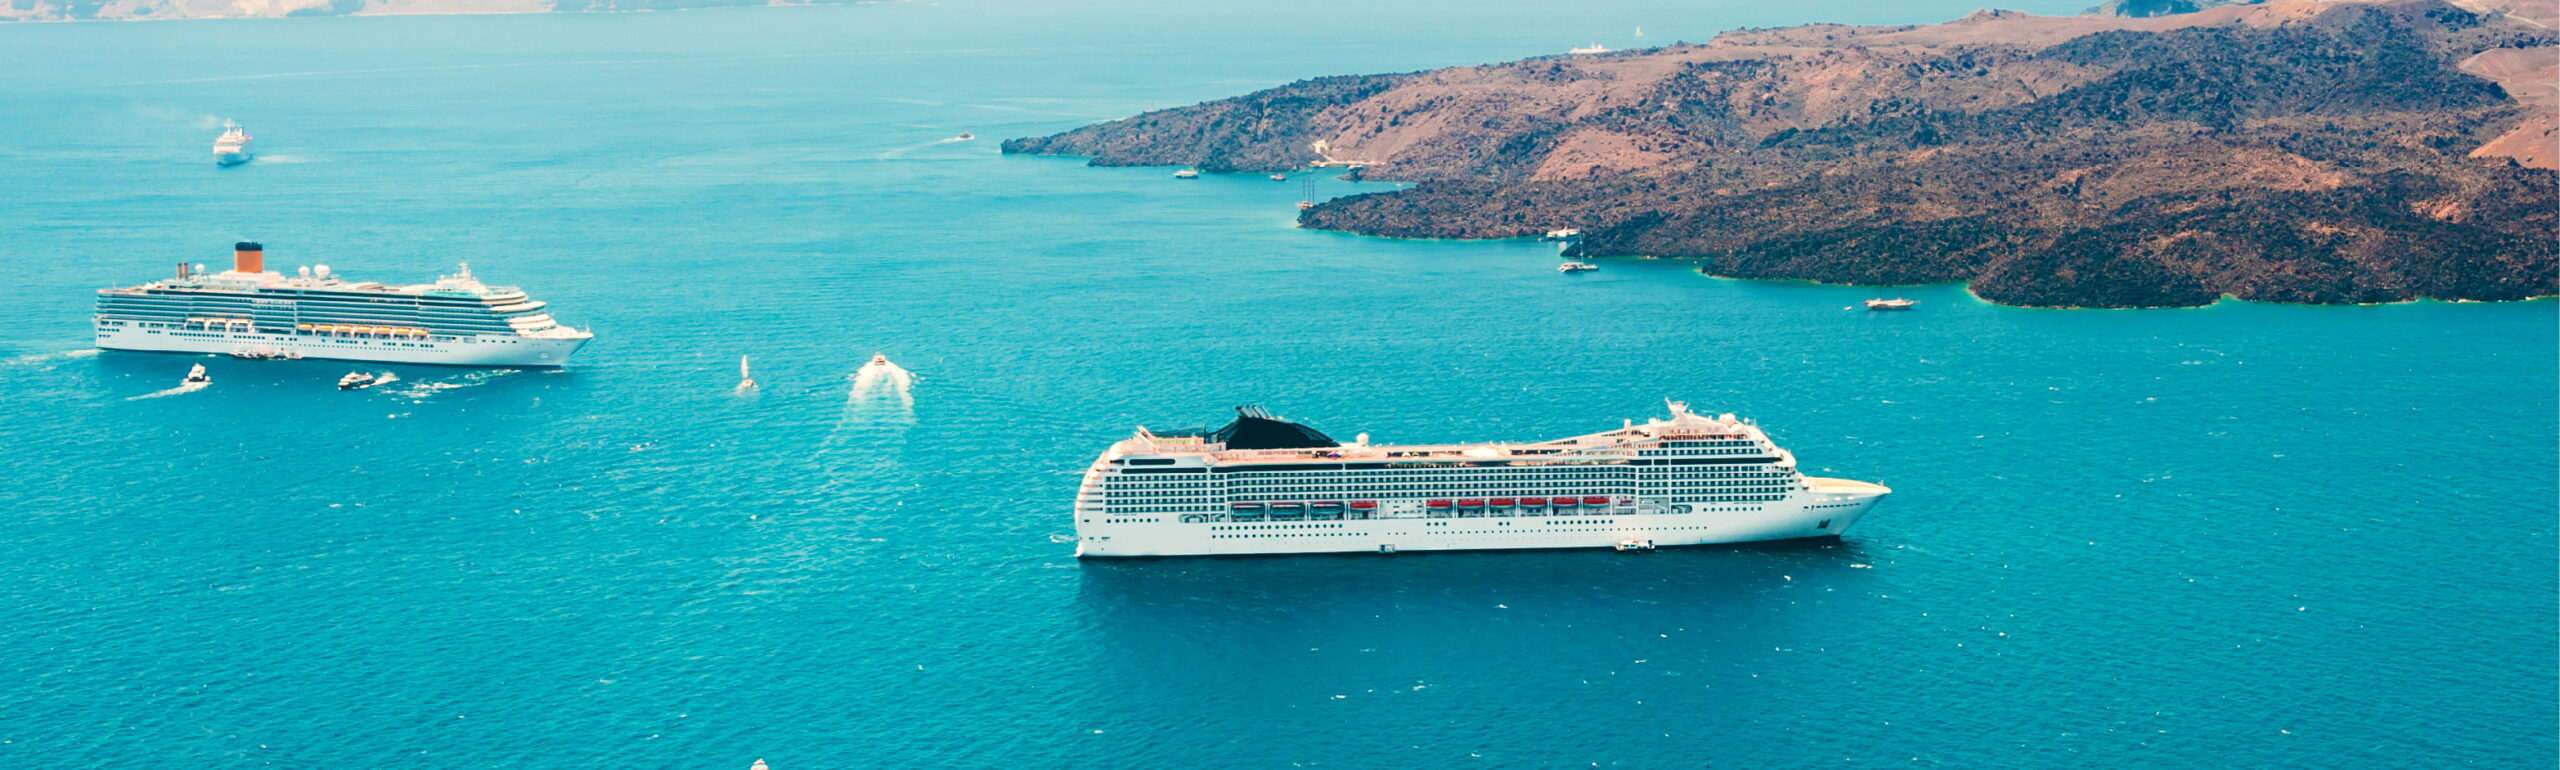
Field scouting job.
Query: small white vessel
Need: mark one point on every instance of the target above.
(1576, 267)
(1561, 234)
(197, 375)
(1187, 174)
(746, 381)
(356, 380)
(963, 137)
(1633, 544)
(1896, 303)
(759, 765)
(1591, 49)
(232, 148)
(1279, 177)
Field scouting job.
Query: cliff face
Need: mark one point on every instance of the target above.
(2301, 152)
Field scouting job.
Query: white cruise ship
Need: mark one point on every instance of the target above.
(457, 320)
(1262, 485)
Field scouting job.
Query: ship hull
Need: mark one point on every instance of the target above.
(229, 159)
(1805, 515)
(487, 350)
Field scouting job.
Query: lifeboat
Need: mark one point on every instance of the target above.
(1595, 501)
(1247, 506)
(1325, 504)
(1287, 506)
(1364, 505)
(1471, 503)
(1502, 502)
(1436, 504)
(1533, 502)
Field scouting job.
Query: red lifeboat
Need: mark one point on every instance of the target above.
(1533, 502)
(1471, 503)
(1247, 506)
(1502, 502)
(1436, 504)
(1595, 501)
(1567, 502)
(1364, 504)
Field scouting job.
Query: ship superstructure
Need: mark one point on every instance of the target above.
(232, 147)
(1263, 485)
(456, 320)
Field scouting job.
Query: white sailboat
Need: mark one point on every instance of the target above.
(746, 381)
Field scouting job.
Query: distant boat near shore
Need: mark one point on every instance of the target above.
(1896, 303)
(1187, 174)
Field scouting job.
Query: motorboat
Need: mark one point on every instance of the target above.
(1187, 174)
(197, 375)
(356, 380)
(1896, 303)
(1576, 267)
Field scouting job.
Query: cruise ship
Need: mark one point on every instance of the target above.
(456, 320)
(232, 147)
(1264, 485)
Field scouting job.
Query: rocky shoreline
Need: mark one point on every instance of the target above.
(2287, 152)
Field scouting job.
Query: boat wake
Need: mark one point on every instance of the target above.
(424, 388)
(46, 358)
(881, 380)
(190, 387)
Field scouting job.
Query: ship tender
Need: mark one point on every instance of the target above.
(456, 321)
(1263, 485)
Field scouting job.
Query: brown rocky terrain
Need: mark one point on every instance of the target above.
(2287, 151)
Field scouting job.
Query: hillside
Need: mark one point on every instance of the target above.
(2290, 151)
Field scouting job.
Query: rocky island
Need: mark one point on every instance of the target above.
(2312, 152)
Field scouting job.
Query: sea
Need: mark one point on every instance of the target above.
(2247, 535)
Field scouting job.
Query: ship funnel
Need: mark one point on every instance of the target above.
(248, 257)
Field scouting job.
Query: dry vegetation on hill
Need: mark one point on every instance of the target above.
(2293, 151)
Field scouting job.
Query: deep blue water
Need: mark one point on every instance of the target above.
(2247, 535)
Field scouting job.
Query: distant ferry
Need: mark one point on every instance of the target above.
(1576, 267)
(1187, 174)
(457, 320)
(1591, 49)
(1896, 303)
(1263, 485)
(232, 148)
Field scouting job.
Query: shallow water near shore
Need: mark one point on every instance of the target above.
(2239, 535)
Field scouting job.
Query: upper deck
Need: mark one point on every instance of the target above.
(1620, 444)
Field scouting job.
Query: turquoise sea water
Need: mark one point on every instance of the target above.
(2246, 535)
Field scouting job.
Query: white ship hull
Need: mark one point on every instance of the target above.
(1809, 515)
(484, 350)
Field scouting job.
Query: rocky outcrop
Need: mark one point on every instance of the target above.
(2289, 151)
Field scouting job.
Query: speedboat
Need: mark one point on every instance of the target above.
(965, 136)
(1576, 267)
(355, 380)
(197, 374)
(1187, 174)
(1561, 234)
(1279, 177)
(1896, 303)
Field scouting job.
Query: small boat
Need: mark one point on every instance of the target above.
(232, 148)
(252, 354)
(1896, 303)
(1632, 544)
(1187, 174)
(964, 136)
(1576, 267)
(197, 375)
(1590, 49)
(759, 765)
(355, 381)
(1279, 177)
(1561, 234)
(746, 382)
(877, 359)
(1304, 205)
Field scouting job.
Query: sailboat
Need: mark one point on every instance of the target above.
(1307, 196)
(746, 381)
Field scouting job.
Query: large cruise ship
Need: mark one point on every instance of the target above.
(257, 312)
(232, 147)
(1263, 485)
